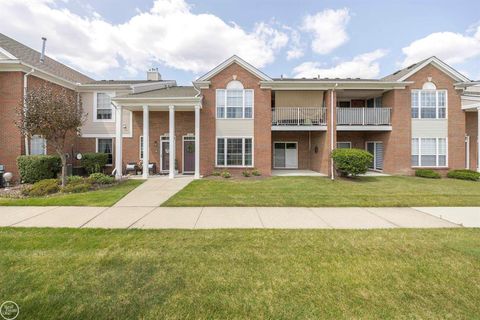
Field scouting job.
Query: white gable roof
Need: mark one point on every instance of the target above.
(228, 62)
(440, 65)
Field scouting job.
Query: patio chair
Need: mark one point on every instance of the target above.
(152, 168)
(131, 167)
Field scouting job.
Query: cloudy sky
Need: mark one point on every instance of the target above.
(113, 39)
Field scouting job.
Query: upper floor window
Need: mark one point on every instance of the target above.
(234, 102)
(103, 106)
(429, 103)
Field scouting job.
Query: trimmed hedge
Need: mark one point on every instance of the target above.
(351, 161)
(42, 188)
(94, 162)
(464, 174)
(427, 173)
(100, 178)
(36, 168)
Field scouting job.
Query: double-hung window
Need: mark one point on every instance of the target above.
(234, 102)
(234, 152)
(38, 145)
(429, 152)
(106, 146)
(429, 104)
(104, 110)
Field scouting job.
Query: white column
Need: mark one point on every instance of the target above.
(118, 142)
(197, 142)
(146, 142)
(171, 139)
(478, 139)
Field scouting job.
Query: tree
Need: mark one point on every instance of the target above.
(54, 113)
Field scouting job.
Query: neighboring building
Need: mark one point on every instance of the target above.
(237, 117)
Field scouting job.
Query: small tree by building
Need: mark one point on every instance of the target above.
(53, 113)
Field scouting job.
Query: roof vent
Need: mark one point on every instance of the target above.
(153, 75)
(42, 56)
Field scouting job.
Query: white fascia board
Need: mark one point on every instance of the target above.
(201, 84)
(7, 54)
(228, 62)
(340, 84)
(440, 65)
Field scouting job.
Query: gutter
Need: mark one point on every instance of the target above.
(25, 85)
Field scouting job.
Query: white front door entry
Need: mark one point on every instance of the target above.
(285, 155)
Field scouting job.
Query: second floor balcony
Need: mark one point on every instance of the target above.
(350, 119)
(299, 118)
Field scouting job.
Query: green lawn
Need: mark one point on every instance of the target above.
(98, 198)
(243, 274)
(322, 192)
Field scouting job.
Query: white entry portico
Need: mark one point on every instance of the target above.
(168, 99)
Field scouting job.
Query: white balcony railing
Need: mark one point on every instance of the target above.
(299, 117)
(363, 116)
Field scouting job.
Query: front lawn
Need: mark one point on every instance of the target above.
(242, 274)
(99, 198)
(395, 191)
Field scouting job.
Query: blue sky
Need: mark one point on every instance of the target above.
(120, 39)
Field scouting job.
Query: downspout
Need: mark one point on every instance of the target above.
(332, 131)
(25, 82)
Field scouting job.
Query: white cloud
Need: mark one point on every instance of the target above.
(169, 33)
(328, 28)
(296, 48)
(450, 47)
(362, 66)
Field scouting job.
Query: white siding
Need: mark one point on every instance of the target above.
(426, 128)
(234, 128)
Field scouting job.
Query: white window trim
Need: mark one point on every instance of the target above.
(285, 142)
(419, 107)
(112, 95)
(436, 151)
(349, 143)
(243, 152)
(44, 145)
(113, 150)
(243, 106)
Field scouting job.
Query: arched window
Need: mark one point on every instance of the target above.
(429, 86)
(234, 102)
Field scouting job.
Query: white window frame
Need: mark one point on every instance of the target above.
(44, 145)
(113, 150)
(243, 152)
(349, 144)
(95, 119)
(437, 155)
(243, 105)
(419, 92)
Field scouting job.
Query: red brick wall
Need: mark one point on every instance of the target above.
(262, 119)
(471, 119)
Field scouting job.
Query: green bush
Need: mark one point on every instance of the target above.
(351, 161)
(216, 173)
(77, 187)
(42, 188)
(100, 178)
(246, 173)
(464, 174)
(36, 168)
(255, 172)
(427, 173)
(75, 179)
(94, 162)
(225, 174)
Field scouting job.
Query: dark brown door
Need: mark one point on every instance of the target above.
(189, 156)
(165, 155)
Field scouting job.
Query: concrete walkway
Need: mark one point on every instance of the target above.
(154, 191)
(153, 217)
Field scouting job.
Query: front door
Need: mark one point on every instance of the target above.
(285, 155)
(188, 154)
(376, 149)
(164, 155)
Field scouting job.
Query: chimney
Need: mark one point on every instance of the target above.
(153, 75)
(42, 56)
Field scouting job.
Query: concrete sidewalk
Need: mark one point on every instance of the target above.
(153, 217)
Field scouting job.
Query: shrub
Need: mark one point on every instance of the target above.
(42, 188)
(77, 187)
(225, 174)
(427, 173)
(94, 162)
(351, 161)
(464, 174)
(36, 168)
(246, 173)
(100, 178)
(255, 172)
(75, 180)
(216, 173)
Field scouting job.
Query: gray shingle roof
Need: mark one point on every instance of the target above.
(32, 57)
(169, 92)
(123, 81)
(400, 73)
(323, 79)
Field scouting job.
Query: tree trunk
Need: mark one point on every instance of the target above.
(64, 167)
